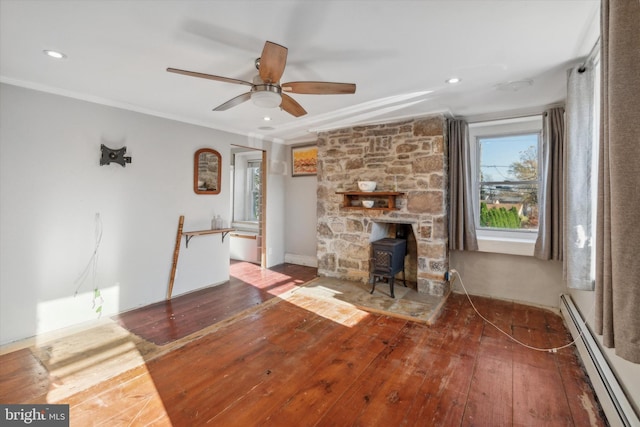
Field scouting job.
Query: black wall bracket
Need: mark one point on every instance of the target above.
(117, 156)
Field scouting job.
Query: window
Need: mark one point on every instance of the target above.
(254, 179)
(508, 181)
(506, 168)
(247, 189)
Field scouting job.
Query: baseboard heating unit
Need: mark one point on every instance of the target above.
(612, 398)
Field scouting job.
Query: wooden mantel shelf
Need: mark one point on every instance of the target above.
(189, 234)
(370, 193)
(389, 196)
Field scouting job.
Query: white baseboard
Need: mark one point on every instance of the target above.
(309, 261)
(613, 400)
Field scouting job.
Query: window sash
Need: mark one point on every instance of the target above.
(506, 182)
(536, 182)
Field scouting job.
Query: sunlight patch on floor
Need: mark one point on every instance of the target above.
(332, 309)
(81, 359)
(408, 304)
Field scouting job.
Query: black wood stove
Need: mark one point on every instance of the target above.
(387, 260)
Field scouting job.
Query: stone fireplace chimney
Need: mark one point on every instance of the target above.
(408, 157)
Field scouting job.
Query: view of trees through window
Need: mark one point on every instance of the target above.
(509, 174)
(254, 180)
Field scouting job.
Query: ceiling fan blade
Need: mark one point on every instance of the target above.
(208, 76)
(290, 105)
(233, 102)
(319, 88)
(272, 62)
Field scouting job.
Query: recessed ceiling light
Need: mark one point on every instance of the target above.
(54, 54)
(453, 80)
(266, 118)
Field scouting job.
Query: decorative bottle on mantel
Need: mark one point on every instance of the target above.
(214, 222)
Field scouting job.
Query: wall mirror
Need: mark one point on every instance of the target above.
(207, 171)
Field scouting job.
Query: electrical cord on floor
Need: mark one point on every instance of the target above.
(548, 350)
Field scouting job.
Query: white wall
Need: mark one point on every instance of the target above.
(301, 218)
(52, 188)
(276, 208)
(512, 277)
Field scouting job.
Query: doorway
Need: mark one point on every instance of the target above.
(248, 204)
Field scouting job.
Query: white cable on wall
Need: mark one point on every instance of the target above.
(92, 269)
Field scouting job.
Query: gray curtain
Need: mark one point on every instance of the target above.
(462, 229)
(549, 245)
(618, 224)
(580, 182)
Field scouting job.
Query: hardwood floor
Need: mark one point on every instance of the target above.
(249, 285)
(298, 362)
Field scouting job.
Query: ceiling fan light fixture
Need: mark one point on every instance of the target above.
(266, 96)
(266, 90)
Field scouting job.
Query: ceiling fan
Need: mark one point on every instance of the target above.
(266, 89)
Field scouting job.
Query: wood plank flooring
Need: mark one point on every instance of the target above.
(249, 285)
(297, 362)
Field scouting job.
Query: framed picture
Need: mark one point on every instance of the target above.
(304, 160)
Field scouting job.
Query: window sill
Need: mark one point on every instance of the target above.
(507, 245)
(246, 225)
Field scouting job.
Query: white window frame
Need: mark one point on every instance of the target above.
(514, 242)
(241, 190)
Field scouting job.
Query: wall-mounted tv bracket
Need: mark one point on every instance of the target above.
(109, 155)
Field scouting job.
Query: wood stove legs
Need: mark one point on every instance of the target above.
(390, 279)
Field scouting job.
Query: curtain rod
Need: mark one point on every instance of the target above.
(595, 51)
(539, 111)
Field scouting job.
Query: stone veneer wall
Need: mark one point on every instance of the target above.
(409, 156)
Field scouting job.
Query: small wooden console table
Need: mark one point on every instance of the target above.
(188, 235)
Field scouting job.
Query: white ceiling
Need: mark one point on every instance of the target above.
(399, 54)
